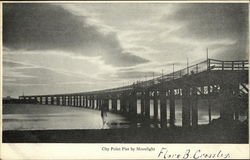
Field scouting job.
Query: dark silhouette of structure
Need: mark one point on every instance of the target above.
(223, 82)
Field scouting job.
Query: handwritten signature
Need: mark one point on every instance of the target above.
(193, 154)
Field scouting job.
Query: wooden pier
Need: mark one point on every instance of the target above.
(225, 82)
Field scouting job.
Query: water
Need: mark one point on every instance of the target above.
(41, 117)
(202, 111)
(202, 104)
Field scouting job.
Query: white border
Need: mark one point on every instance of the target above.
(94, 150)
(117, 1)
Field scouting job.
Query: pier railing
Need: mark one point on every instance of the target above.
(209, 64)
(227, 65)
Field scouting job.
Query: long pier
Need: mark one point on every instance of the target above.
(225, 82)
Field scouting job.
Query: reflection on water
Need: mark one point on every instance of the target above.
(202, 111)
(40, 117)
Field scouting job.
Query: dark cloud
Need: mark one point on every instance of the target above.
(50, 27)
(214, 21)
(234, 51)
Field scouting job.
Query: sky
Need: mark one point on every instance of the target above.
(67, 48)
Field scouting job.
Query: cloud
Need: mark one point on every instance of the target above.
(136, 74)
(64, 48)
(51, 27)
(212, 22)
(12, 64)
(44, 76)
(205, 21)
(10, 73)
(20, 73)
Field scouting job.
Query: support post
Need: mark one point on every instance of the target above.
(236, 102)
(75, 101)
(194, 102)
(114, 104)
(52, 100)
(99, 103)
(123, 103)
(163, 108)
(209, 106)
(93, 103)
(57, 100)
(69, 101)
(46, 100)
(147, 105)
(172, 108)
(86, 102)
(40, 102)
(186, 107)
(72, 101)
(80, 99)
(155, 105)
(36, 98)
(226, 96)
(90, 102)
(83, 101)
(63, 100)
(132, 103)
(66, 101)
(143, 105)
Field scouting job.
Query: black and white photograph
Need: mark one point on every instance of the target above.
(125, 72)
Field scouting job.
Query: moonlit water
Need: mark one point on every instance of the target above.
(41, 117)
(202, 111)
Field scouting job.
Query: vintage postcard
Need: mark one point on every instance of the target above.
(125, 80)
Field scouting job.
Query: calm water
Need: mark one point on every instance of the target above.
(202, 111)
(40, 117)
